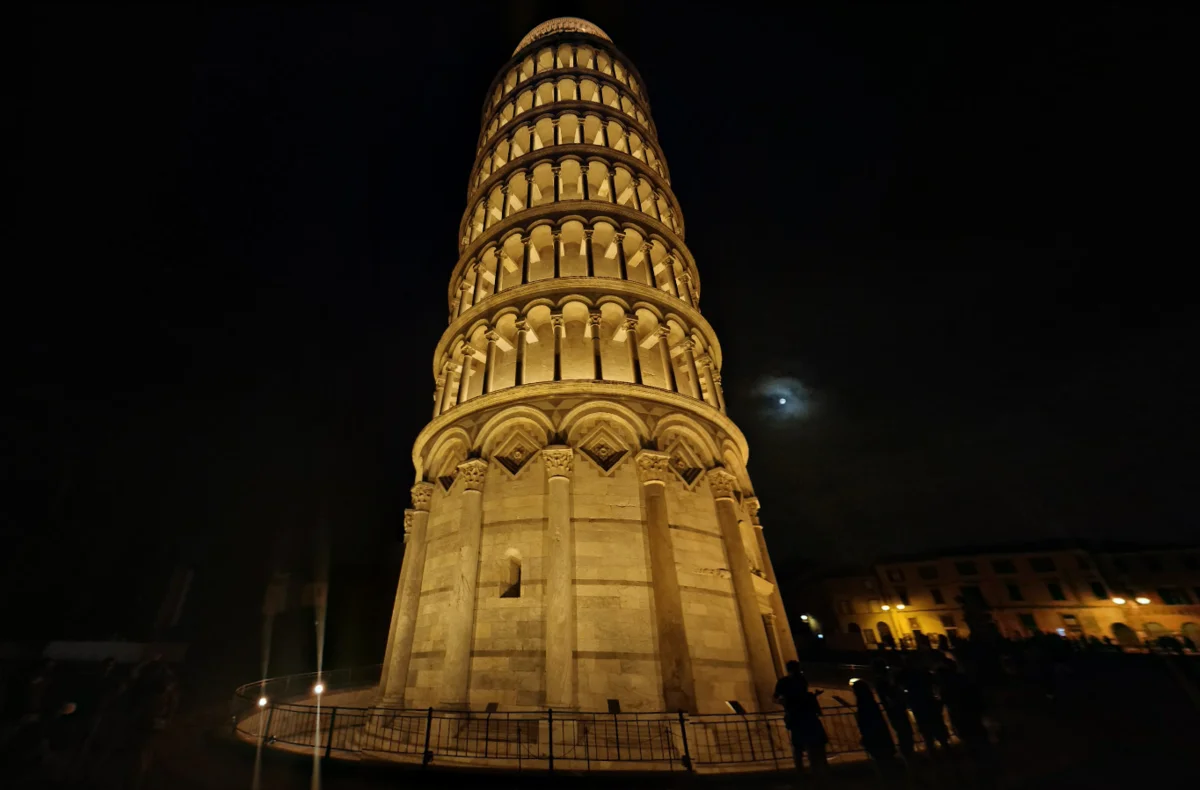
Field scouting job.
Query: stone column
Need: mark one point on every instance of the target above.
(408, 597)
(758, 650)
(720, 392)
(529, 179)
(689, 355)
(437, 395)
(449, 390)
(522, 328)
(504, 196)
(464, 301)
(787, 643)
(622, 270)
(665, 354)
(464, 378)
(478, 295)
(679, 692)
(689, 297)
(460, 624)
(558, 328)
(557, 242)
(594, 328)
(635, 362)
(587, 242)
(560, 573)
(705, 364)
(525, 242)
(489, 367)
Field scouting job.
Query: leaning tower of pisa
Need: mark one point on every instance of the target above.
(582, 527)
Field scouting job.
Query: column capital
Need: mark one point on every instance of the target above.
(529, 177)
(504, 188)
(631, 322)
(646, 247)
(653, 466)
(422, 493)
(492, 336)
(468, 350)
(704, 361)
(619, 236)
(556, 169)
(556, 234)
(588, 232)
(526, 239)
(753, 506)
(473, 473)
(522, 325)
(721, 483)
(560, 461)
(594, 318)
(687, 344)
(663, 331)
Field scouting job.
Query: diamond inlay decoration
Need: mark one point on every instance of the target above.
(685, 463)
(604, 448)
(516, 451)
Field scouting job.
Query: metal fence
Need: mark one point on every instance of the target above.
(536, 740)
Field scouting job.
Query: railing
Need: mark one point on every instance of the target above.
(536, 740)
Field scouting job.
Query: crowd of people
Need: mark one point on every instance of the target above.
(901, 700)
(65, 727)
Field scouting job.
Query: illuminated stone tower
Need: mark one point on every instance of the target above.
(582, 528)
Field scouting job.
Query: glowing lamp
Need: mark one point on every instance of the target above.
(262, 702)
(803, 617)
(853, 681)
(1141, 599)
(885, 608)
(900, 606)
(1118, 601)
(319, 688)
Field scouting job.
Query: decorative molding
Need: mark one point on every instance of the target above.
(752, 507)
(422, 493)
(473, 473)
(560, 461)
(686, 463)
(603, 448)
(722, 484)
(653, 466)
(516, 450)
(409, 518)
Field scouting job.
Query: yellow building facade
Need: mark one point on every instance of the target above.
(1130, 596)
(583, 531)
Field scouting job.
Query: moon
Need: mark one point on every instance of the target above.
(783, 398)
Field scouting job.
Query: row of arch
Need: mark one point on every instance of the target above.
(565, 179)
(571, 248)
(578, 339)
(564, 56)
(625, 427)
(563, 89)
(567, 128)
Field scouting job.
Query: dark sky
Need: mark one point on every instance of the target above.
(235, 228)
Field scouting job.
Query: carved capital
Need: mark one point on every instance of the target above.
(468, 351)
(753, 506)
(631, 323)
(526, 239)
(560, 461)
(529, 178)
(421, 494)
(663, 331)
(522, 325)
(587, 233)
(687, 344)
(492, 336)
(473, 473)
(721, 483)
(653, 466)
(594, 318)
(619, 236)
(704, 361)
(556, 320)
(504, 189)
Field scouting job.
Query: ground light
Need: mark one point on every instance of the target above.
(1143, 600)
(900, 606)
(1118, 601)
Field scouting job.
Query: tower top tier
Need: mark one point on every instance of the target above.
(562, 24)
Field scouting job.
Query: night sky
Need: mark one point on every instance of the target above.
(942, 231)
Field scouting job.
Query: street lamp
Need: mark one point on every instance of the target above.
(885, 608)
(1143, 600)
(1119, 601)
(900, 606)
(803, 617)
(319, 688)
(262, 702)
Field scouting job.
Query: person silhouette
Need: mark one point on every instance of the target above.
(926, 708)
(802, 717)
(876, 737)
(891, 697)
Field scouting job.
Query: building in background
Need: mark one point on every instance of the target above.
(583, 531)
(1126, 594)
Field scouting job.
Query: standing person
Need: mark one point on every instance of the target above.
(802, 717)
(891, 696)
(876, 737)
(926, 708)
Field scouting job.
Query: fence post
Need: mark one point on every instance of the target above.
(329, 737)
(550, 737)
(427, 757)
(687, 755)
